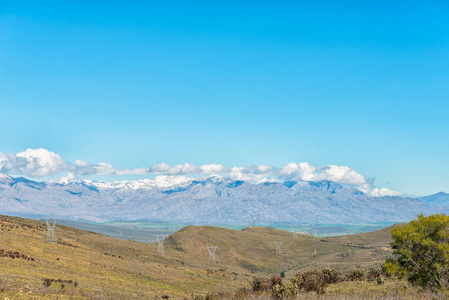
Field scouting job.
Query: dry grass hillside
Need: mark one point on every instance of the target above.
(253, 250)
(89, 265)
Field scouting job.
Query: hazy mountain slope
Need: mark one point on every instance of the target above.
(440, 198)
(213, 200)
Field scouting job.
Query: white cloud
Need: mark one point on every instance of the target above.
(69, 177)
(342, 174)
(304, 171)
(5, 164)
(301, 171)
(159, 168)
(40, 163)
(383, 192)
(83, 168)
(213, 169)
(251, 174)
(165, 180)
(138, 171)
(185, 169)
(104, 169)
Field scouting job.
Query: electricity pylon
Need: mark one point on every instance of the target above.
(255, 218)
(278, 246)
(160, 245)
(295, 234)
(211, 250)
(51, 234)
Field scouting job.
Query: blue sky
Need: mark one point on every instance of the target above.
(137, 83)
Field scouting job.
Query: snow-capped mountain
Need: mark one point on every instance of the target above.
(212, 200)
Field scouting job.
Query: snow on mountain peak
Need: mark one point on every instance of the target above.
(160, 182)
(4, 176)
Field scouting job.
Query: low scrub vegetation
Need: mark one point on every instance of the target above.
(48, 282)
(355, 275)
(330, 283)
(14, 254)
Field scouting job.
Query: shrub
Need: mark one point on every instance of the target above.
(390, 268)
(276, 280)
(282, 274)
(287, 290)
(47, 282)
(380, 280)
(311, 281)
(14, 255)
(356, 274)
(331, 276)
(260, 284)
(373, 272)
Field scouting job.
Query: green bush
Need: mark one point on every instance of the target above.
(391, 268)
(421, 248)
(286, 291)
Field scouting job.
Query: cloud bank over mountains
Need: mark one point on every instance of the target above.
(38, 163)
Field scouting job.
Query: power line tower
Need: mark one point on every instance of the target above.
(295, 234)
(278, 246)
(211, 250)
(160, 245)
(254, 218)
(51, 234)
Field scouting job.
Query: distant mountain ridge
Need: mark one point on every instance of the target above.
(211, 200)
(440, 198)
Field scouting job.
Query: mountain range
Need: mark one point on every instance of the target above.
(212, 200)
(440, 198)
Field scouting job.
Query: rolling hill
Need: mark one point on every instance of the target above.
(105, 267)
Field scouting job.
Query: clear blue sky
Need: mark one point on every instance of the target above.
(363, 84)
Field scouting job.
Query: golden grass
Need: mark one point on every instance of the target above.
(109, 268)
(93, 261)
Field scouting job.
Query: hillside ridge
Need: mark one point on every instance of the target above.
(122, 267)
